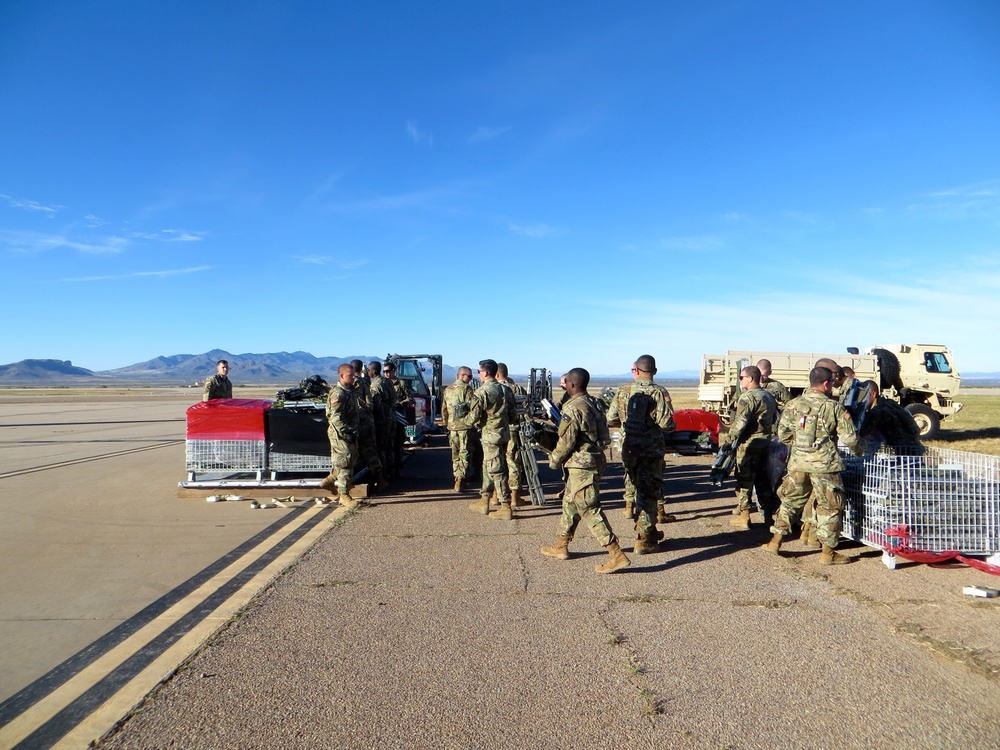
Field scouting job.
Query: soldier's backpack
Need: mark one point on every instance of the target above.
(640, 414)
(639, 422)
(601, 420)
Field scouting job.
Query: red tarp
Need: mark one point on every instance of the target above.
(227, 419)
(698, 420)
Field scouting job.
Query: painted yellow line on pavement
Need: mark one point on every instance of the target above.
(131, 694)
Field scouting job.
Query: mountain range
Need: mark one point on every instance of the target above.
(281, 368)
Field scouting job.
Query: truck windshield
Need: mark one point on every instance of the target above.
(936, 362)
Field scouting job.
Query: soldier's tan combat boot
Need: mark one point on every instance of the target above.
(347, 500)
(329, 482)
(503, 513)
(742, 521)
(775, 544)
(813, 541)
(483, 506)
(645, 545)
(829, 556)
(629, 510)
(459, 484)
(806, 530)
(616, 561)
(663, 517)
(517, 500)
(559, 550)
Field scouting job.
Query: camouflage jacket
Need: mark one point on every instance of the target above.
(383, 400)
(777, 389)
(515, 391)
(663, 415)
(218, 386)
(456, 406)
(342, 413)
(894, 422)
(578, 445)
(810, 425)
(492, 409)
(756, 416)
(364, 393)
(402, 392)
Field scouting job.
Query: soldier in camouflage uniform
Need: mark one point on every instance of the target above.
(342, 415)
(515, 469)
(492, 411)
(579, 450)
(888, 422)
(644, 411)
(811, 425)
(367, 444)
(776, 388)
(455, 408)
(756, 415)
(404, 399)
(219, 385)
(384, 412)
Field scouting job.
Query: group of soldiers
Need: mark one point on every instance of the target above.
(364, 409)
(811, 494)
(488, 414)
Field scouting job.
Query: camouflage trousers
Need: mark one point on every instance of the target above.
(460, 452)
(646, 475)
(581, 500)
(495, 468)
(751, 472)
(367, 443)
(343, 456)
(515, 469)
(826, 490)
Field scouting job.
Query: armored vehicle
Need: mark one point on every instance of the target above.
(921, 377)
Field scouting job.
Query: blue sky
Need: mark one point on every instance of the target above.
(550, 184)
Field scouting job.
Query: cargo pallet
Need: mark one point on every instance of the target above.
(931, 501)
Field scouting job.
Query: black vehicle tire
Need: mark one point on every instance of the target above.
(927, 420)
(888, 367)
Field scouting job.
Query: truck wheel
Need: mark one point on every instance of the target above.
(927, 420)
(888, 367)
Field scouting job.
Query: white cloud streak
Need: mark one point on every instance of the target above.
(35, 242)
(487, 134)
(27, 205)
(537, 231)
(417, 135)
(140, 275)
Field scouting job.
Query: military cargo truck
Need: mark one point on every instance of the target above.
(921, 377)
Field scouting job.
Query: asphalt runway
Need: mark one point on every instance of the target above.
(108, 575)
(417, 623)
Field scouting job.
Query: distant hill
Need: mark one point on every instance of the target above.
(280, 368)
(43, 370)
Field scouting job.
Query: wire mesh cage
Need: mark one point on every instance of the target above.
(934, 500)
(225, 455)
(297, 462)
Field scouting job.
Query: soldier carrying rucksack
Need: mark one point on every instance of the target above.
(644, 411)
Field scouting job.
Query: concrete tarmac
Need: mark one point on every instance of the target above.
(418, 623)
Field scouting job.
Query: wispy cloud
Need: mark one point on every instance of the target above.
(414, 199)
(533, 230)
(27, 205)
(484, 133)
(735, 216)
(35, 242)
(171, 235)
(417, 135)
(141, 275)
(964, 200)
(697, 243)
(95, 221)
